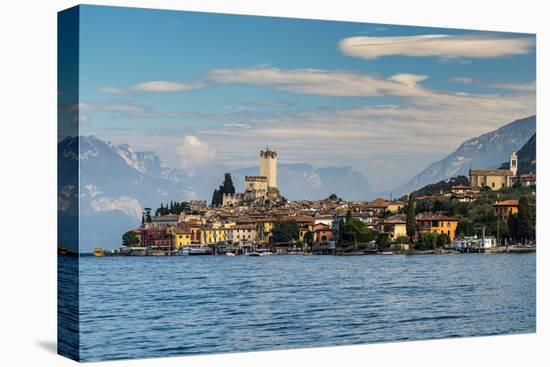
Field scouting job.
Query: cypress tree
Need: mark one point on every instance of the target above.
(524, 228)
(228, 187)
(411, 218)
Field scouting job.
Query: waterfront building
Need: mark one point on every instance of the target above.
(242, 234)
(322, 233)
(157, 238)
(395, 226)
(436, 223)
(505, 208)
(213, 234)
(264, 228)
(181, 236)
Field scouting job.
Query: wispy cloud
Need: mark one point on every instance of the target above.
(322, 82)
(156, 86)
(522, 87)
(438, 45)
(462, 80)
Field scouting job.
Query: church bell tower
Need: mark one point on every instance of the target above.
(514, 163)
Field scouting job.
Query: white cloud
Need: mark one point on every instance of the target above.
(521, 87)
(126, 204)
(112, 90)
(408, 79)
(192, 151)
(322, 82)
(439, 45)
(155, 86)
(462, 80)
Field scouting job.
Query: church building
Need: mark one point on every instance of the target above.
(495, 179)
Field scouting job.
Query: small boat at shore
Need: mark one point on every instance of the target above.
(230, 254)
(192, 250)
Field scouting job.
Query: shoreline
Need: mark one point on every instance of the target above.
(495, 250)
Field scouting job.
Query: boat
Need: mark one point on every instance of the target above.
(266, 253)
(386, 253)
(98, 252)
(229, 254)
(192, 250)
(253, 254)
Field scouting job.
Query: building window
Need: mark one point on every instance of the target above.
(493, 184)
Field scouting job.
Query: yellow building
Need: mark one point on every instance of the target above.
(495, 179)
(264, 228)
(436, 223)
(395, 226)
(504, 209)
(212, 235)
(181, 236)
(394, 206)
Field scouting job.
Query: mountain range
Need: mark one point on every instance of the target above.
(117, 182)
(485, 151)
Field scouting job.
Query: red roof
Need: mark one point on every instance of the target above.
(506, 203)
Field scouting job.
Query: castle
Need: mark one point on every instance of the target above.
(258, 189)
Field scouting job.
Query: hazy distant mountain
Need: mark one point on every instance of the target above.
(487, 150)
(303, 181)
(527, 157)
(116, 183)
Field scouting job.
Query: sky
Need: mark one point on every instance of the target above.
(387, 100)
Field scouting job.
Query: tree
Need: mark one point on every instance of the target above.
(411, 218)
(228, 187)
(333, 197)
(382, 240)
(442, 239)
(129, 239)
(465, 227)
(429, 240)
(285, 231)
(215, 198)
(308, 238)
(147, 215)
(523, 224)
(402, 240)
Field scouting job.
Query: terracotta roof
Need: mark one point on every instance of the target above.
(378, 203)
(397, 218)
(506, 203)
(491, 172)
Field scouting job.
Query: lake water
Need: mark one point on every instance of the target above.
(133, 307)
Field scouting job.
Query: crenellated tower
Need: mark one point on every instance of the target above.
(268, 167)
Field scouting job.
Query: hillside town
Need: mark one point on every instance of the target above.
(492, 210)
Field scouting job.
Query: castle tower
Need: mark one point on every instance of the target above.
(268, 167)
(514, 163)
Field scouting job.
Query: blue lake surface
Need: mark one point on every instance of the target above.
(133, 307)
